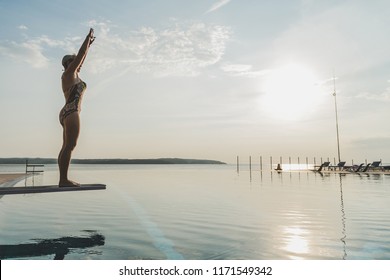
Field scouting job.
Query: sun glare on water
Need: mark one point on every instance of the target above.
(296, 242)
(291, 92)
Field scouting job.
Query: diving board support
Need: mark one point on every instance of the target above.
(50, 188)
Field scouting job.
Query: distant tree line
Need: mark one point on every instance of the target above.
(110, 161)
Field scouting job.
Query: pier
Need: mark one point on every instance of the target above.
(321, 164)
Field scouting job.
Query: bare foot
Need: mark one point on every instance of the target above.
(68, 183)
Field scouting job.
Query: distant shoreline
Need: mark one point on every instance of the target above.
(111, 161)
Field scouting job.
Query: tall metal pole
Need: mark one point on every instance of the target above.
(337, 120)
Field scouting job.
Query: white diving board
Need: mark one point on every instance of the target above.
(50, 188)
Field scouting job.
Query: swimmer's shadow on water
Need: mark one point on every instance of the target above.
(60, 247)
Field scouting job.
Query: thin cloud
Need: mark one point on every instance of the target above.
(178, 50)
(383, 97)
(243, 70)
(217, 6)
(28, 52)
(381, 142)
(33, 51)
(22, 27)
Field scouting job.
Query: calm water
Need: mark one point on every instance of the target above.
(199, 212)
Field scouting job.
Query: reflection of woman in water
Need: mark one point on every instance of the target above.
(73, 88)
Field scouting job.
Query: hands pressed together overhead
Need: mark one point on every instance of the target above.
(91, 37)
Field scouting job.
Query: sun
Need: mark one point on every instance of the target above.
(291, 92)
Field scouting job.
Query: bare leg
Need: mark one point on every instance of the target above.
(70, 136)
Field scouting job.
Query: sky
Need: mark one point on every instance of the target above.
(205, 79)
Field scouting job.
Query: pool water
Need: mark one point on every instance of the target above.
(199, 212)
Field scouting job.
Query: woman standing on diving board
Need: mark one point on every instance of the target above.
(73, 88)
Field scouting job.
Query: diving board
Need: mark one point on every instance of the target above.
(50, 188)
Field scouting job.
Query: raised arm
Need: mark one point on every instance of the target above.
(78, 61)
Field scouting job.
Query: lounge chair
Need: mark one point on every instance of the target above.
(339, 166)
(375, 165)
(359, 167)
(366, 168)
(325, 164)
